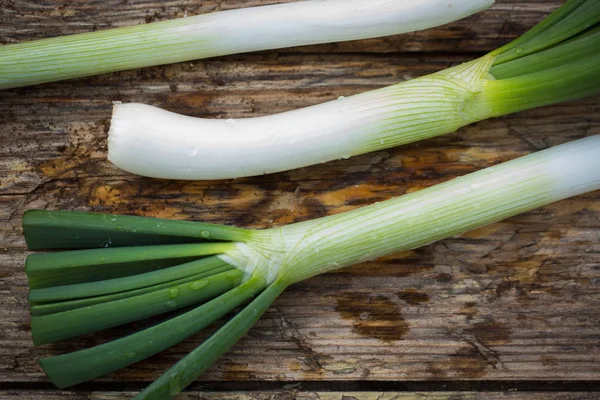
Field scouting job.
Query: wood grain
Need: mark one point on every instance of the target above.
(518, 300)
(302, 395)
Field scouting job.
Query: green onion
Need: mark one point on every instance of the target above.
(257, 265)
(558, 60)
(221, 33)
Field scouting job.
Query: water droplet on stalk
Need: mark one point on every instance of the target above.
(109, 218)
(197, 285)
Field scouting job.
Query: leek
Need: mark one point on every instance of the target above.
(221, 33)
(558, 60)
(234, 266)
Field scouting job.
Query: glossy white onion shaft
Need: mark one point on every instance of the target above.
(299, 251)
(148, 141)
(324, 21)
(220, 33)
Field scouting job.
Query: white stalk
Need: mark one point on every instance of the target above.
(299, 251)
(324, 21)
(561, 63)
(152, 142)
(222, 33)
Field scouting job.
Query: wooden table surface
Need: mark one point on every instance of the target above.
(514, 307)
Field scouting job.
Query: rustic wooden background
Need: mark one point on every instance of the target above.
(512, 308)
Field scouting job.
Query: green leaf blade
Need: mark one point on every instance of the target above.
(46, 230)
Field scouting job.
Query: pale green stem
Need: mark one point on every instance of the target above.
(220, 33)
(299, 251)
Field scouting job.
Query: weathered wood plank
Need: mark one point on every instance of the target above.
(303, 395)
(517, 300)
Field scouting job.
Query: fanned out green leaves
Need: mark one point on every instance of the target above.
(82, 291)
(80, 366)
(63, 325)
